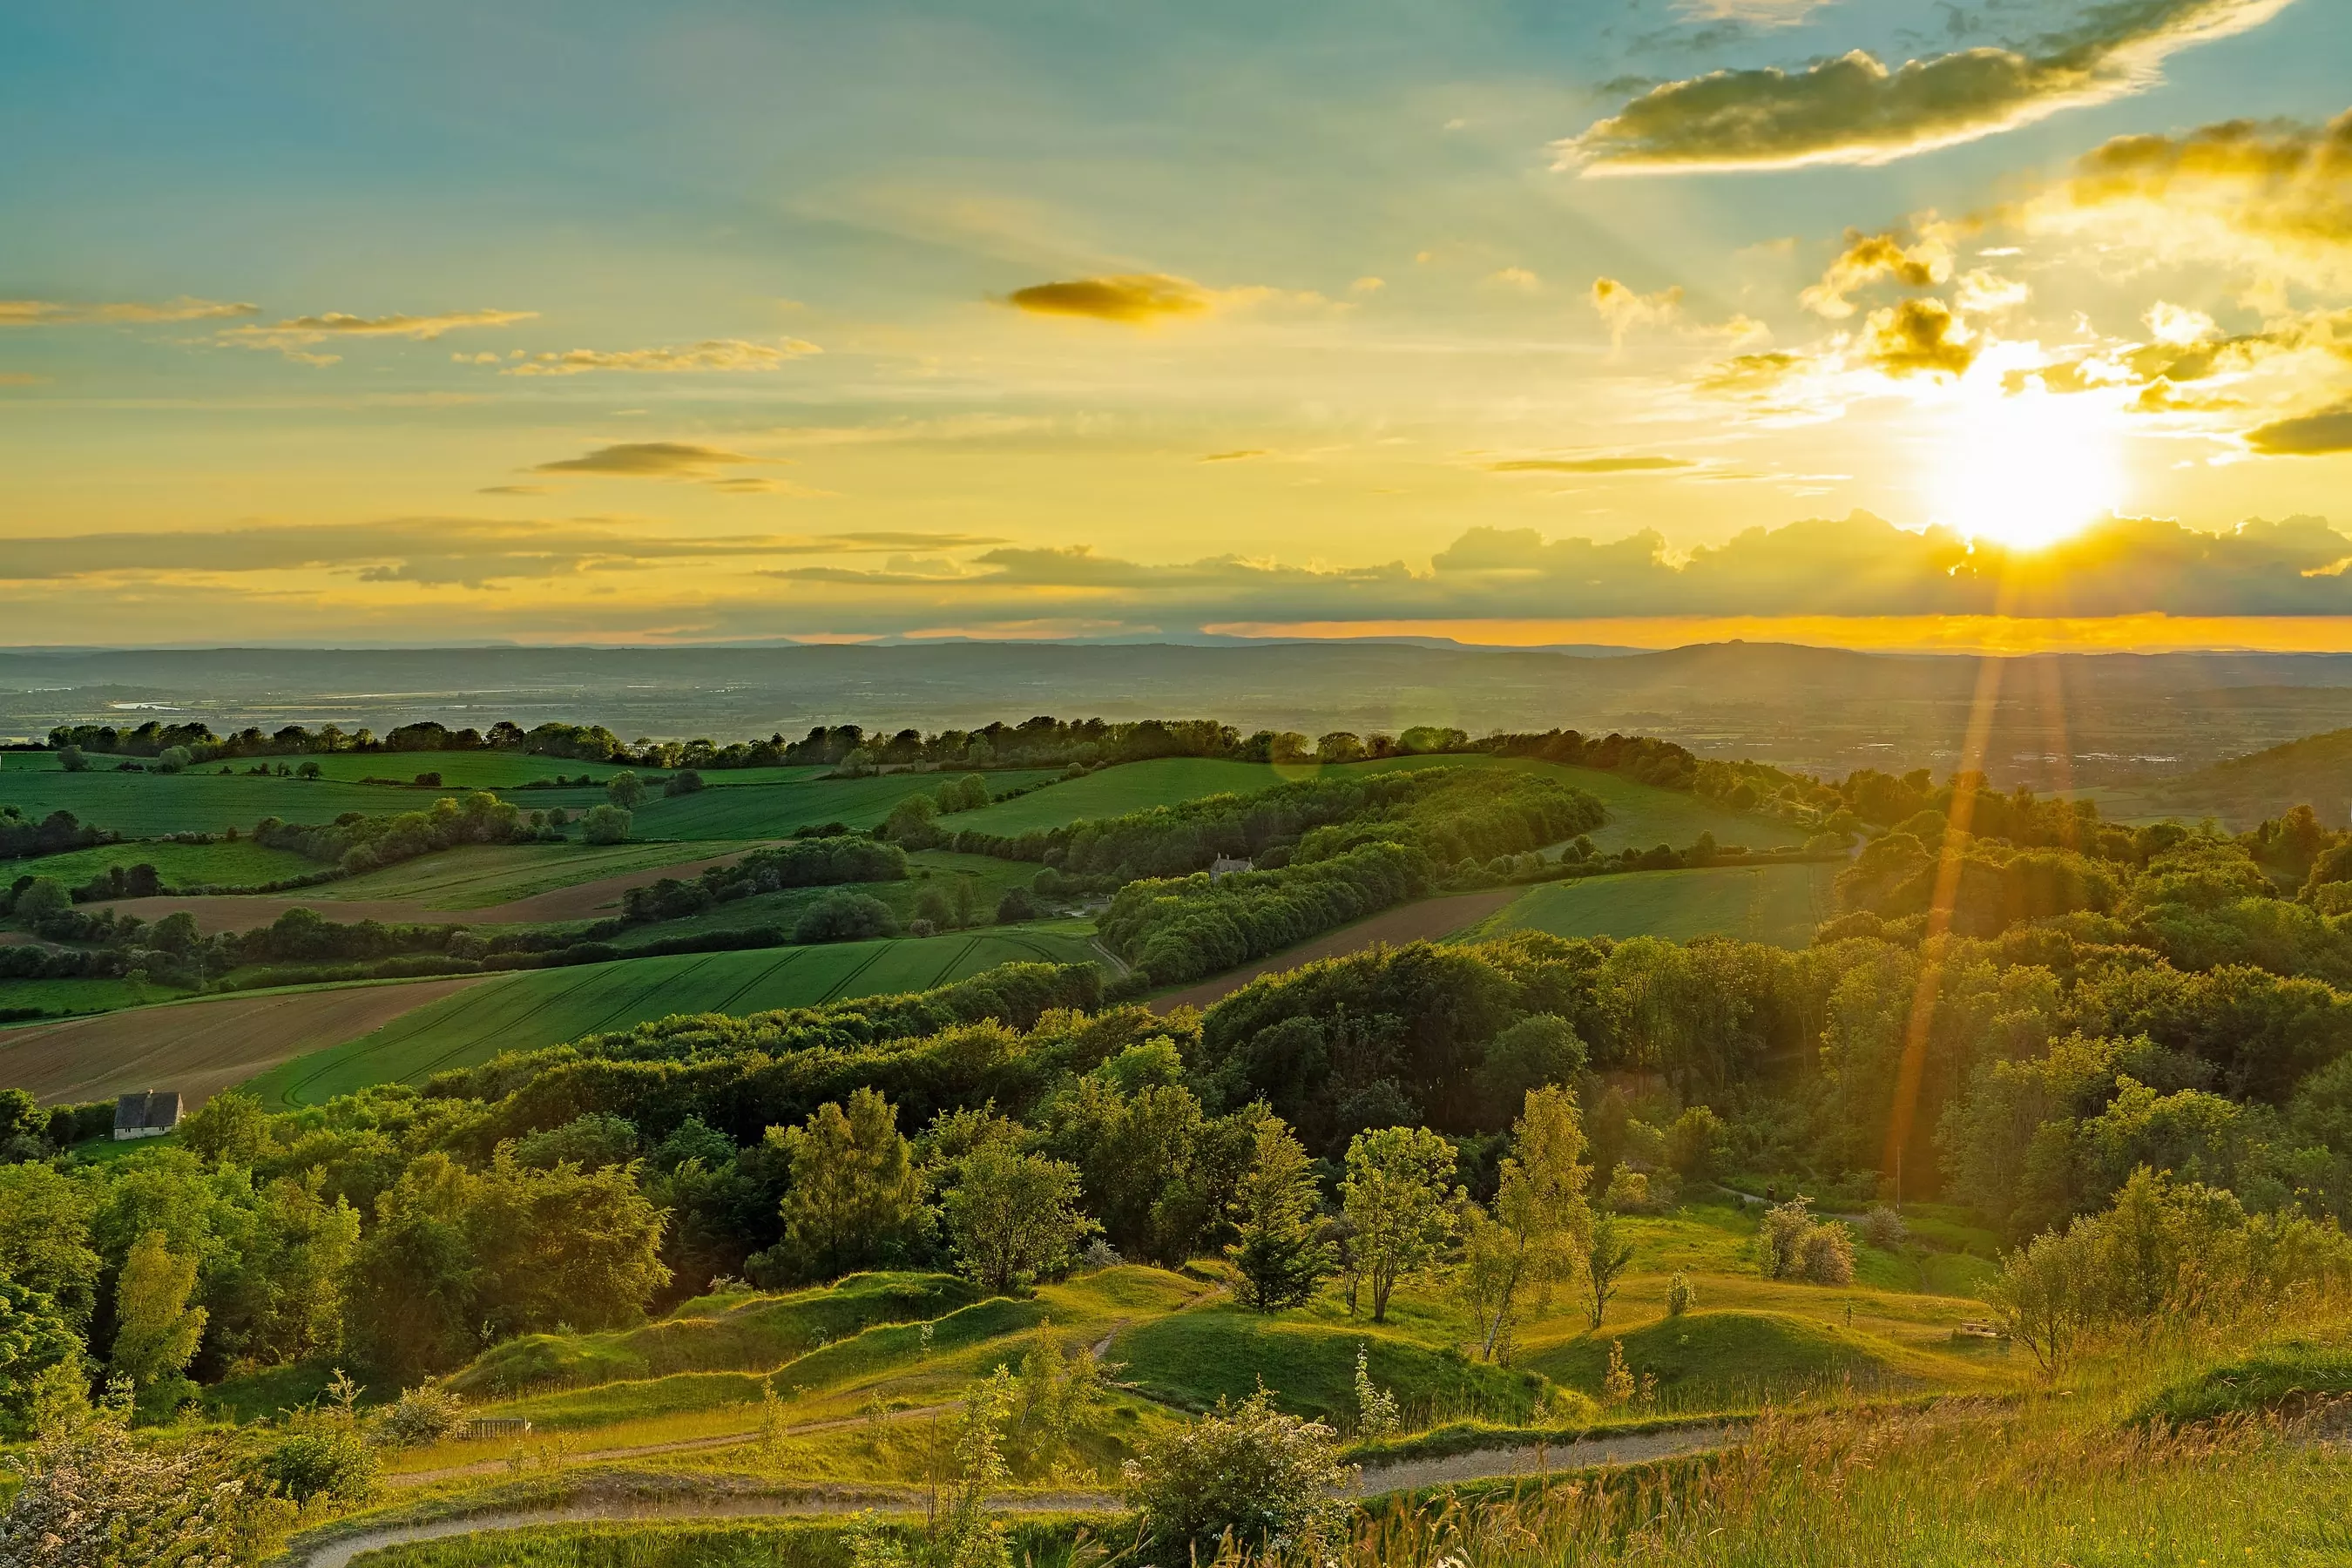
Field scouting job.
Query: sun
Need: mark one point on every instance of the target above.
(2026, 469)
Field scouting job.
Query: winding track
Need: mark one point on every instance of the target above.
(1586, 1454)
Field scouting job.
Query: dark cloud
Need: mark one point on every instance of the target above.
(647, 459)
(1131, 298)
(1856, 566)
(1589, 465)
(1854, 109)
(1919, 337)
(2308, 435)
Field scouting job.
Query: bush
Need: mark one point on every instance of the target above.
(1883, 1227)
(173, 760)
(604, 825)
(1827, 1257)
(686, 781)
(1680, 1297)
(1017, 905)
(71, 760)
(1792, 1245)
(1265, 1478)
(325, 1459)
(844, 917)
(421, 1415)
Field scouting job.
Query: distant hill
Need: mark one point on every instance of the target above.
(2315, 771)
(2057, 721)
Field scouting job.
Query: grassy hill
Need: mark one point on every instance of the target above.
(2315, 771)
(1724, 1359)
(1777, 904)
(547, 1006)
(1639, 814)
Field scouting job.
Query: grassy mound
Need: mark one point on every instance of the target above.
(2287, 1376)
(1192, 1359)
(713, 1333)
(1727, 1360)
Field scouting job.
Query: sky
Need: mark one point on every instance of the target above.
(1884, 324)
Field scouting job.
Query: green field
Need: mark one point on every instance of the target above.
(458, 770)
(141, 805)
(1639, 815)
(547, 1006)
(57, 998)
(774, 811)
(1777, 904)
(475, 876)
(220, 865)
(927, 870)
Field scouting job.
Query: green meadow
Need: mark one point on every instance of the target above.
(547, 1006)
(220, 864)
(1779, 904)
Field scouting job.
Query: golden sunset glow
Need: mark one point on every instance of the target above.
(1436, 324)
(2027, 470)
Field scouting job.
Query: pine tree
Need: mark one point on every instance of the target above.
(1280, 1256)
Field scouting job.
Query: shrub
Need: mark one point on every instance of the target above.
(686, 781)
(1828, 1255)
(173, 760)
(1883, 1227)
(1015, 906)
(844, 917)
(604, 824)
(421, 1415)
(1680, 1297)
(1248, 1469)
(71, 760)
(326, 1458)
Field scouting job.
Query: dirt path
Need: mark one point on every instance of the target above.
(582, 901)
(339, 1552)
(1424, 922)
(1591, 1453)
(199, 1047)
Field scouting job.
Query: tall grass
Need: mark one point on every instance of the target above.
(1959, 1487)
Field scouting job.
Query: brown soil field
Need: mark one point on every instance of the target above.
(199, 1047)
(1425, 921)
(582, 901)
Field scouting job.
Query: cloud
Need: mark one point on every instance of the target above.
(1131, 298)
(1624, 308)
(1589, 465)
(1518, 277)
(21, 378)
(647, 459)
(710, 355)
(1761, 12)
(1856, 566)
(1854, 109)
(516, 491)
(1242, 455)
(55, 313)
(1919, 337)
(1870, 257)
(296, 336)
(2272, 198)
(434, 551)
(2306, 435)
